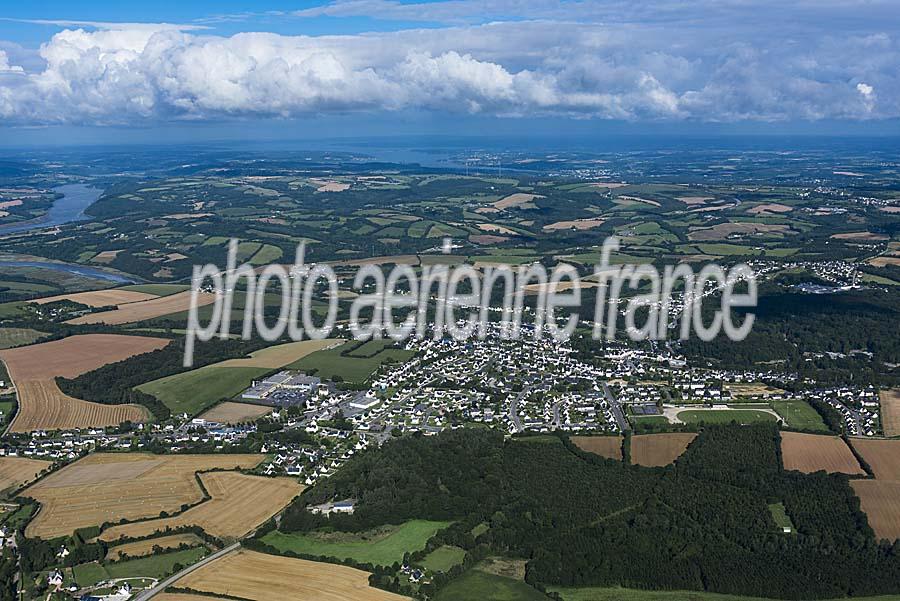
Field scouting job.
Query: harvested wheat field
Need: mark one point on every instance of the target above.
(187, 597)
(16, 471)
(890, 411)
(145, 547)
(261, 577)
(99, 298)
(860, 236)
(106, 487)
(235, 413)
(519, 199)
(657, 450)
(883, 456)
(147, 309)
(575, 224)
(770, 208)
(881, 503)
(605, 446)
(695, 200)
(884, 261)
(497, 229)
(239, 503)
(810, 453)
(42, 406)
(280, 355)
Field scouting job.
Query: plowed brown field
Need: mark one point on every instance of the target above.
(106, 487)
(605, 446)
(42, 406)
(262, 577)
(810, 453)
(883, 456)
(239, 503)
(881, 503)
(656, 450)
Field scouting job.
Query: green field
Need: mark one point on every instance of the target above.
(799, 414)
(443, 558)
(624, 594)
(725, 416)
(329, 363)
(482, 586)
(154, 566)
(379, 548)
(11, 310)
(779, 514)
(193, 391)
(5, 408)
(10, 337)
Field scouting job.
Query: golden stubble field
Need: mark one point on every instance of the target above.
(42, 406)
(890, 411)
(657, 450)
(16, 471)
(262, 577)
(145, 547)
(810, 453)
(605, 446)
(146, 309)
(239, 504)
(108, 487)
(99, 298)
(880, 498)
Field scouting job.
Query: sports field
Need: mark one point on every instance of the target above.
(354, 367)
(800, 415)
(810, 453)
(260, 577)
(108, 487)
(725, 416)
(238, 504)
(382, 546)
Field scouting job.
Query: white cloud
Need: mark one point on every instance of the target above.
(634, 71)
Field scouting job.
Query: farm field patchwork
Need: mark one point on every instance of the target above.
(655, 450)
(810, 453)
(261, 577)
(280, 355)
(239, 503)
(16, 471)
(329, 363)
(605, 446)
(43, 406)
(106, 487)
(383, 546)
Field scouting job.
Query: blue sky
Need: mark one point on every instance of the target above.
(354, 67)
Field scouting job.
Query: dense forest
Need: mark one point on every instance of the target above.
(702, 524)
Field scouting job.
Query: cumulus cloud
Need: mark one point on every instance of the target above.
(630, 70)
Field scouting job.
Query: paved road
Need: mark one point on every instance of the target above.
(151, 592)
(514, 409)
(616, 408)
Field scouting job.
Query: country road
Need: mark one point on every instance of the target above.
(151, 592)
